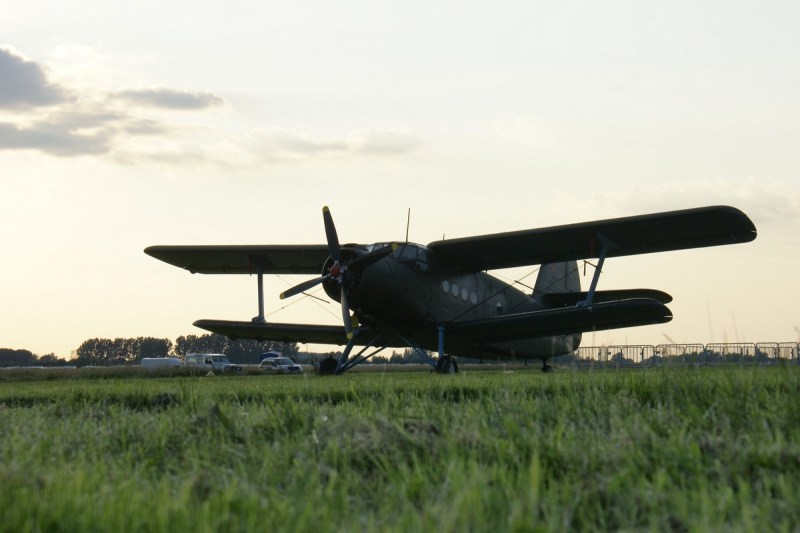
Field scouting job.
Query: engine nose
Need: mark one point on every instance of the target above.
(350, 276)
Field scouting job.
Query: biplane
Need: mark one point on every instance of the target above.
(440, 298)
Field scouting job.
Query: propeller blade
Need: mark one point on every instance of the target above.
(303, 287)
(330, 233)
(374, 256)
(348, 323)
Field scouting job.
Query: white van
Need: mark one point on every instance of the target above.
(153, 363)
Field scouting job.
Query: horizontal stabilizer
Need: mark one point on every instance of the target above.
(569, 299)
(564, 321)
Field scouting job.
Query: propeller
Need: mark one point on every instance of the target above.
(338, 270)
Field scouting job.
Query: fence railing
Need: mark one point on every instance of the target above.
(712, 354)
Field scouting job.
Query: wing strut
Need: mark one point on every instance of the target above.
(260, 318)
(607, 245)
(414, 346)
(359, 358)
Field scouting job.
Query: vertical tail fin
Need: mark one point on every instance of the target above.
(555, 280)
(558, 278)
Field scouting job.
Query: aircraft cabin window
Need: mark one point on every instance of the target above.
(422, 260)
(415, 257)
(407, 254)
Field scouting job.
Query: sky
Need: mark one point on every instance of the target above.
(125, 125)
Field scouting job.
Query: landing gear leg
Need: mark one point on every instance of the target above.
(446, 364)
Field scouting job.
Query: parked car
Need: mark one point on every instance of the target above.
(211, 361)
(276, 363)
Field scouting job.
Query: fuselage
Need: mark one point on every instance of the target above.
(414, 292)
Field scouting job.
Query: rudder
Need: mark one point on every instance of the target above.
(558, 278)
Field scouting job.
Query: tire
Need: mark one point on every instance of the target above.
(327, 367)
(446, 365)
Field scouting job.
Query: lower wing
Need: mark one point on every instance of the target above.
(564, 321)
(536, 324)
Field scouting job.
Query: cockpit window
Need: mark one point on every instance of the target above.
(376, 246)
(413, 255)
(407, 254)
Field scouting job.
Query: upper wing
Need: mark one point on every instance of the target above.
(244, 259)
(658, 232)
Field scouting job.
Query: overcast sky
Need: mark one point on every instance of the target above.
(124, 125)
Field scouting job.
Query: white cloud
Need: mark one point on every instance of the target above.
(383, 142)
(24, 84)
(128, 125)
(279, 144)
(763, 200)
(170, 98)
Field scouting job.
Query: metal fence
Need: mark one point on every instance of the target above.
(713, 354)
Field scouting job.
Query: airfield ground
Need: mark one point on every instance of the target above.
(666, 449)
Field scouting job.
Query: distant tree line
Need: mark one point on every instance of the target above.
(130, 351)
(119, 351)
(106, 352)
(10, 357)
(122, 351)
(239, 351)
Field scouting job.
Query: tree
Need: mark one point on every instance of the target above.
(10, 357)
(201, 344)
(242, 352)
(152, 347)
(94, 352)
(50, 360)
(409, 356)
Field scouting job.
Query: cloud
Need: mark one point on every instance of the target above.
(23, 84)
(282, 144)
(51, 140)
(763, 200)
(383, 142)
(170, 98)
(129, 126)
(50, 119)
(72, 134)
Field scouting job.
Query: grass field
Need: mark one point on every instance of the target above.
(669, 449)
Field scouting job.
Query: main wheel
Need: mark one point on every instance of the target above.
(327, 367)
(447, 365)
